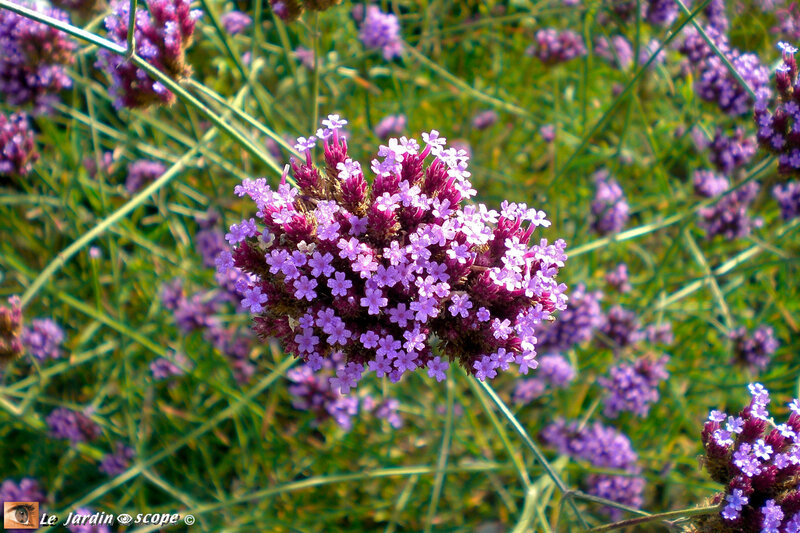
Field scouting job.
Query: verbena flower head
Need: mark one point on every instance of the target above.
(603, 447)
(554, 371)
(618, 278)
(575, 325)
(753, 349)
(114, 464)
(757, 460)
(660, 12)
(388, 272)
(484, 119)
(312, 390)
(391, 125)
(235, 22)
(34, 56)
(553, 46)
(11, 345)
(177, 364)
(633, 388)
(548, 133)
(617, 51)
(621, 328)
(381, 31)
(290, 10)
(716, 84)
(717, 15)
(609, 207)
(788, 197)
(731, 152)
(729, 216)
(709, 184)
(72, 425)
(17, 147)
(163, 33)
(142, 172)
(695, 47)
(43, 339)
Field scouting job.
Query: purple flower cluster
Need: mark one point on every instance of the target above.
(695, 47)
(717, 15)
(659, 333)
(43, 339)
(609, 207)
(603, 447)
(633, 387)
(709, 184)
(34, 57)
(731, 152)
(86, 527)
(113, 464)
(142, 172)
(163, 32)
(779, 130)
(17, 147)
(618, 278)
(390, 125)
(660, 12)
(553, 46)
(235, 22)
(484, 119)
(554, 370)
(11, 345)
(716, 84)
(376, 272)
(729, 217)
(575, 325)
(753, 349)
(758, 462)
(788, 22)
(210, 242)
(380, 31)
(617, 51)
(65, 423)
(548, 133)
(621, 328)
(788, 197)
(166, 367)
(290, 10)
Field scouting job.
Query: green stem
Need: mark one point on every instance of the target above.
(444, 452)
(682, 513)
(131, 29)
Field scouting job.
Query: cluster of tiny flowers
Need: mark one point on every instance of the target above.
(620, 328)
(609, 206)
(716, 83)
(618, 278)
(617, 51)
(117, 462)
(163, 32)
(32, 65)
(727, 153)
(142, 172)
(43, 339)
(575, 325)
(379, 272)
(235, 22)
(72, 425)
(788, 22)
(753, 350)
(709, 184)
(554, 370)
(779, 129)
(86, 527)
(717, 15)
(695, 47)
(659, 333)
(603, 447)
(660, 12)
(633, 387)
(390, 125)
(17, 147)
(167, 367)
(11, 345)
(788, 197)
(484, 119)
(729, 216)
(548, 133)
(290, 10)
(553, 46)
(379, 31)
(758, 462)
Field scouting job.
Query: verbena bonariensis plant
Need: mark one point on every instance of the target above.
(758, 462)
(17, 146)
(389, 273)
(753, 349)
(553, 46)
(162, 35)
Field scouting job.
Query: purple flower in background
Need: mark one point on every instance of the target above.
(11, 330)
(753, 349)
(163, 33)
(114, 464)
(660, 334)
(72, 425)
(788, 198)
(575, 325)
(34, 58)
(142, 172)
(660, 12)
(717, 16)
(83, 525)
(695, 47)
(554, 370)
(649, 50)
(210, 242)
(548, 133)
(731, 152)
(235, 22)
(633, 387)
(17, 147)
(312, 390)
(788, 22)
(381, 31)
(709, 184)
(166, 367)
(618, 278)
(716, 84)
(603, 447)
(305, 56)
(758, 465)
(391, 125)
(609, 207)
(387, 410)
(408, 262)
(617, 51)
(621, 328)
(553, 46)
(484, 119)
(43, 339)
(728, 216)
